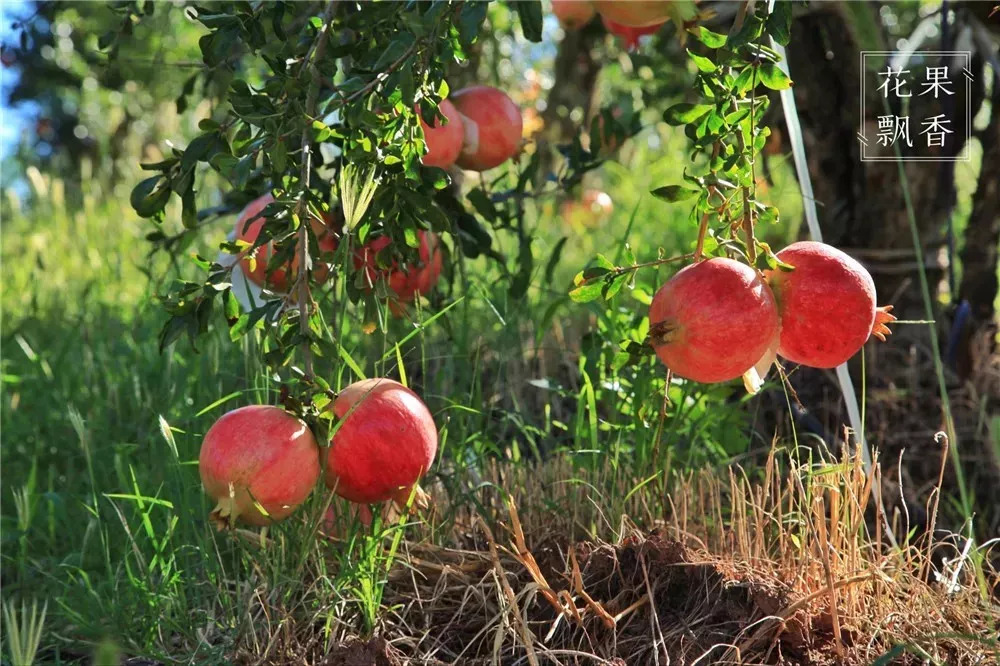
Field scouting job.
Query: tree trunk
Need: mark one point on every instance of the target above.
(979, 256)
(861, 204)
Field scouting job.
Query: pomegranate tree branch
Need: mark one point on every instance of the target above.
(621, 270)
(316, 52)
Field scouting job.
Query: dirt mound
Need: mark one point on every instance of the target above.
(608, 604)
(373, 652)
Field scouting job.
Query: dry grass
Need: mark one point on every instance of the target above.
(786, 568)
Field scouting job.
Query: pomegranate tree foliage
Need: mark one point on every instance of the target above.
(725, 127)
(356, 76)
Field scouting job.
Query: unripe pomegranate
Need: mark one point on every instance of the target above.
(258, 455)
(573, 14)
(493, 126)
(634, 13)
(282, 277)
(414, 279)
(444, 141)
(827, 305)
(630, 35)
(386, 440)
(713, 320)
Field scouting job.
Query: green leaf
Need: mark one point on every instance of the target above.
(674, 193)
(550, 267)
(744, 81)
(530, 14)
(768, 216)
(701, 62)
(748, 32)
(594, 272)
(147, 199)
(684, 113)
(779, 23)
(614, 285)
(396, 49)
(483, 204)
(320, 131)
(587, 292)
(470, 20)
(772, 77)
(712, 40)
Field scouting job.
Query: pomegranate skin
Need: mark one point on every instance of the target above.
(383, 445)
(417, 279)
(827, 304)
(634, 13)
(493, 127)
(281, 278)
(573, 14)
(630, 35)
(713, 320)
(444, 141)
(267, 455)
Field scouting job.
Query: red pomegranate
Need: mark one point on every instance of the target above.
(444, 141)
(493, 126)
(281, 278)
(630, 35)
(827, 305)
(713, 320)
(408, 283)
(386, 440)
(634, 13)
(258, 455)
(573, 14)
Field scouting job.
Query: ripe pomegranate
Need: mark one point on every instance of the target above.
(444, 141)
(493, 127)
(634, 13)
(713, 320)
(573, 14)
(258, 455)
(385, 442)
(590, 210)
(827, 305)
(411, 281)
(281, 278)
(630, 35)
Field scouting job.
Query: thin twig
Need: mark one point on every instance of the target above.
(315, 53)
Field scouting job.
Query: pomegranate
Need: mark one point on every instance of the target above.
(630, 35)
(386, 440)
(493, 126)
(573, 14)
(281, 278)
(258, 455)
(406, 283)
(444, 141)
(634, 13)
(713, 320)
(827, 305)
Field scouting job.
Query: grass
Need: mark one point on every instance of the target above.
(104, 522)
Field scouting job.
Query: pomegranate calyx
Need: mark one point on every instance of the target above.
(662, 333)
(225, 513)
(880, 328)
